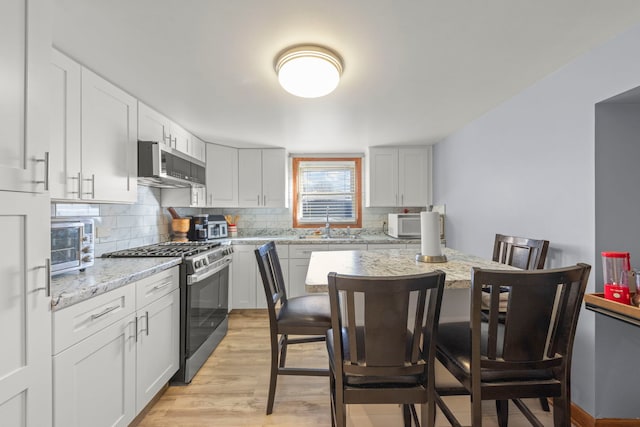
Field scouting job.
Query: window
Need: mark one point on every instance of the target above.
(327, 186)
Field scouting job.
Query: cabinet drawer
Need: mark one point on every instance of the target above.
(153, 287)
(349, 247)
(75, 323)
(304, 251)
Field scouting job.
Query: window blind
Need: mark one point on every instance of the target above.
(326, 187)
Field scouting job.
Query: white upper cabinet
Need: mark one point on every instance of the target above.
(198, 148)
(262, 177)
(398, 176)
(64, 128)
(222, 176)
(25, 45)
(153, 126)
(180, 138)
(109, 141)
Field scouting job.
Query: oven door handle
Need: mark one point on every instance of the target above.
(194, 278)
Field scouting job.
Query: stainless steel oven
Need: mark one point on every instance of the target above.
(206, 311)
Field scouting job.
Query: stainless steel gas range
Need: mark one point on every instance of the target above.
(204, 297)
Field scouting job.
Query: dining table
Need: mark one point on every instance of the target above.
(399, 262)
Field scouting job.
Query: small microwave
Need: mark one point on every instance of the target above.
(408, 225)
(72, 244)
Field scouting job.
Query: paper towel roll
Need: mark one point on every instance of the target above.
(430, 233)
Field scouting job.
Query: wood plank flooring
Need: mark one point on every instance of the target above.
(231, 389)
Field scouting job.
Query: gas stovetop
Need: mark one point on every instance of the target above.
(166, 249)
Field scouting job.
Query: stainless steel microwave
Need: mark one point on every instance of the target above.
(165, 167)
(72, 244)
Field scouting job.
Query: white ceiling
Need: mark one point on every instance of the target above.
(415, 70)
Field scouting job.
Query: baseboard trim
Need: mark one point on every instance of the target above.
(147, 408)
(581, 418)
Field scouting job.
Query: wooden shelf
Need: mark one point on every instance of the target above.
(626, 313)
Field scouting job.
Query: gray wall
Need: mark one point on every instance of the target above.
(528, 168)
(617, 209)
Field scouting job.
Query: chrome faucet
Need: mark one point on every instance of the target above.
(327, 226)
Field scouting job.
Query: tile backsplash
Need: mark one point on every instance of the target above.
(123, 226)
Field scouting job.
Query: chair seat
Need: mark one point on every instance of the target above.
(455, 344)
(307, 312)
(367, 381)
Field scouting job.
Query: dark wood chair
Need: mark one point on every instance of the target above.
(375, 344)
(527, 356)
(308, 316)
(521, 252)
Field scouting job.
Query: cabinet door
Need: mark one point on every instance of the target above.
(414, 176)
(109, 141)
(181, 138)
(198, 149)
(297, 275)
(157, 354)
(222, 176)
(25, 358)
(243, 292)
(152, 126)
(94, 380)
(274, 178)
(249, 177)
(64, 128)
(382, 177)
(25, 43)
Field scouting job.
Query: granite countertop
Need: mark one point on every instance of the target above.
(105, 275)
(310, 240)
(393, 262)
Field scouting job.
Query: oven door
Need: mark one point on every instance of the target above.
(207, 305)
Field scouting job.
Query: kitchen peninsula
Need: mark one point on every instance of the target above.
(393, 262)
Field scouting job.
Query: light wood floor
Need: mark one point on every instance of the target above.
(231, 390)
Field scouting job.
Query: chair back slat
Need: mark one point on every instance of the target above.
(386, 320)
(541, 315)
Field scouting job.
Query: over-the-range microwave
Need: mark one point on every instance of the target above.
(165, 167)
(408, 225)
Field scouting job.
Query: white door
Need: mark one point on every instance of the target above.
(249, 177)
(222, 176)
(64, 128)
(244, 277)
(157, 355)
(25, 46)
(414, 176)
(94, 380)
(25, 316)
(109, 141)
(383, 177)
(152, 126)
(274, 178)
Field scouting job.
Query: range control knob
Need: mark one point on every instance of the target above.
(87, 258)
(205, 261)
(197, 263)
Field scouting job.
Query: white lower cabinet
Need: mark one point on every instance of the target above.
(299, 264)
(111, 356)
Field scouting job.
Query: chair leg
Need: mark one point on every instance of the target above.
(341, 410)
(502, 410)
(545, 404)
(406, 415)
(561, 412)
(476, 411)
(283, 349)
(273, 377)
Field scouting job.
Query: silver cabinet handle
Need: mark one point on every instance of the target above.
(210, 199)
(164, 285)
(47, 272)
(105, 311)
(264, 200)
(146, 328)
(146, 314)
(45, 181)
(135, 327)
(258, 200)
(93, 186)
(79, 185)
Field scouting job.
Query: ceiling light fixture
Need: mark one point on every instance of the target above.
(308, 71)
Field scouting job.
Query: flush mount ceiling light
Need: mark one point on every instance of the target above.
(308, 71)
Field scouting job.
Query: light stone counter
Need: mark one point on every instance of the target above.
(105, 275)
(392, 262)
(296, 240)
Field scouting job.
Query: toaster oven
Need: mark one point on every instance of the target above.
(72, 244)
